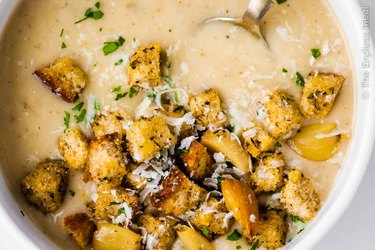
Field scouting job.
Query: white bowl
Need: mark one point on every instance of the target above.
(18, 232)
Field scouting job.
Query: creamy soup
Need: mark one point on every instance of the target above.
(216, 55)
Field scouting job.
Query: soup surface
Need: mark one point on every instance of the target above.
(216, 55)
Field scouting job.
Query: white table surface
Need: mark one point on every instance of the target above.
(356, 228)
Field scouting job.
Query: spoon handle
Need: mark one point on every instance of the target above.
(259, 8)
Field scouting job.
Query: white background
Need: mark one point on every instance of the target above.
(355, 230)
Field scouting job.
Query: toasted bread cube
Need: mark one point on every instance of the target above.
(146, 137)
(116, 205)
(299, 197)
(272, 230)
(176, 111)
(80, 228)
(161, 230)
(111, 123)
(144, 66)
(64, 78)
(214, 216)
(279, 113)
(319, 94)
(106, 161)
(257, 140)
(44, 187)
(268, 174)
(178, 195)
(197, 161)
(74, 147)
(206, 108)
(134, 181)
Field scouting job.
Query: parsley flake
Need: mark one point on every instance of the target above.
(114, 203)
(205, 231)
(62, 33)
(63, 45)
(152, 95)
(234, 236)
(132, 92)
(121, 210)
(78, 107)
(116, 89)
(97, 106)
(79, 118)
(280, 1)
(92, 13)
(72, 193)
(110, 47)
(316, 53)
(254, 245)
(285, 70)
(300, 81)
(278, 144)
(120, 96)
(119, 62)
(219, 179)
(67, 120)
(178, 151)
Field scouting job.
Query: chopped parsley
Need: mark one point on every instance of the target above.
(114, 203)
(178, 151)
(167, 80)
(132, 92)
(278, 144)
(300, 81)
(234, 236)
(121, 210)
(92, 13)
(219, 179)
(78, 107)
(63, 45)
(72, 193)
(120, 96)
(316, 53)
(284, 70)
(280, 1)
(66, 120)
(97, 105)
(168, 64)
(119, 62)
(152, 95)
(79, 118)
(238, 247)
(298, 223)
(62, 33)
(257, 112)
(110, 47)
(254, 245)
(116, 89)
(205, 231)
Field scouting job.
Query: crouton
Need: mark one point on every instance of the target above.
(106, 161)
(134, 181)
(272, 230)
(319, 94)
(206, 108)
(161, 230)
(268, 174)
(80, 228)
(113, 122)
(44, 187)
(146, 137)
(144, 66)
(74, 147)
(299, 197)
(257, 140)
(214, 216)
(64, 78)
(178, 195)
(116, 205)
(279, 113)
(175, 111)
(197, 161)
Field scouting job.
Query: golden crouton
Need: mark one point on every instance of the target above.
(176, 111)
(161, 229)
(113, 122)
(299, 197)
(206, 108)
(44, 187)
(178, 195)
(74, 147)
(213, 215)
(144, 66)
(64, 78)
(320, 93)
(146, 137)
(257, 140)
(134, 181)
(279, 113)
(80, 228)
(116, 205)
(197, 161)
(272, 230)
(106, 162)
(268, 174)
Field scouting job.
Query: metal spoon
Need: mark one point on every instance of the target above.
(252, 18)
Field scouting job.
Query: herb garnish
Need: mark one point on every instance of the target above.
(120, 95)
(66, 120)
(299, 223)
(97, 106)
(234, 236)
(62, 33)
(316, 53)
(79, 118)
(178, 151)
(121, 210)
(63, 45)
(152, 95)
(238, 247)
(119, 62)
(254, 245)
(219, 179)
(78, 107)
(280, 1)
(300, 80)
(132, 92)
(72, 193)
(278, 144)
(285, 70)
(114, 203)
(110, 47)
(116, 89)
(91, 13)
(205, 231)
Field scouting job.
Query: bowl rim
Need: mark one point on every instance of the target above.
(346, 184)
